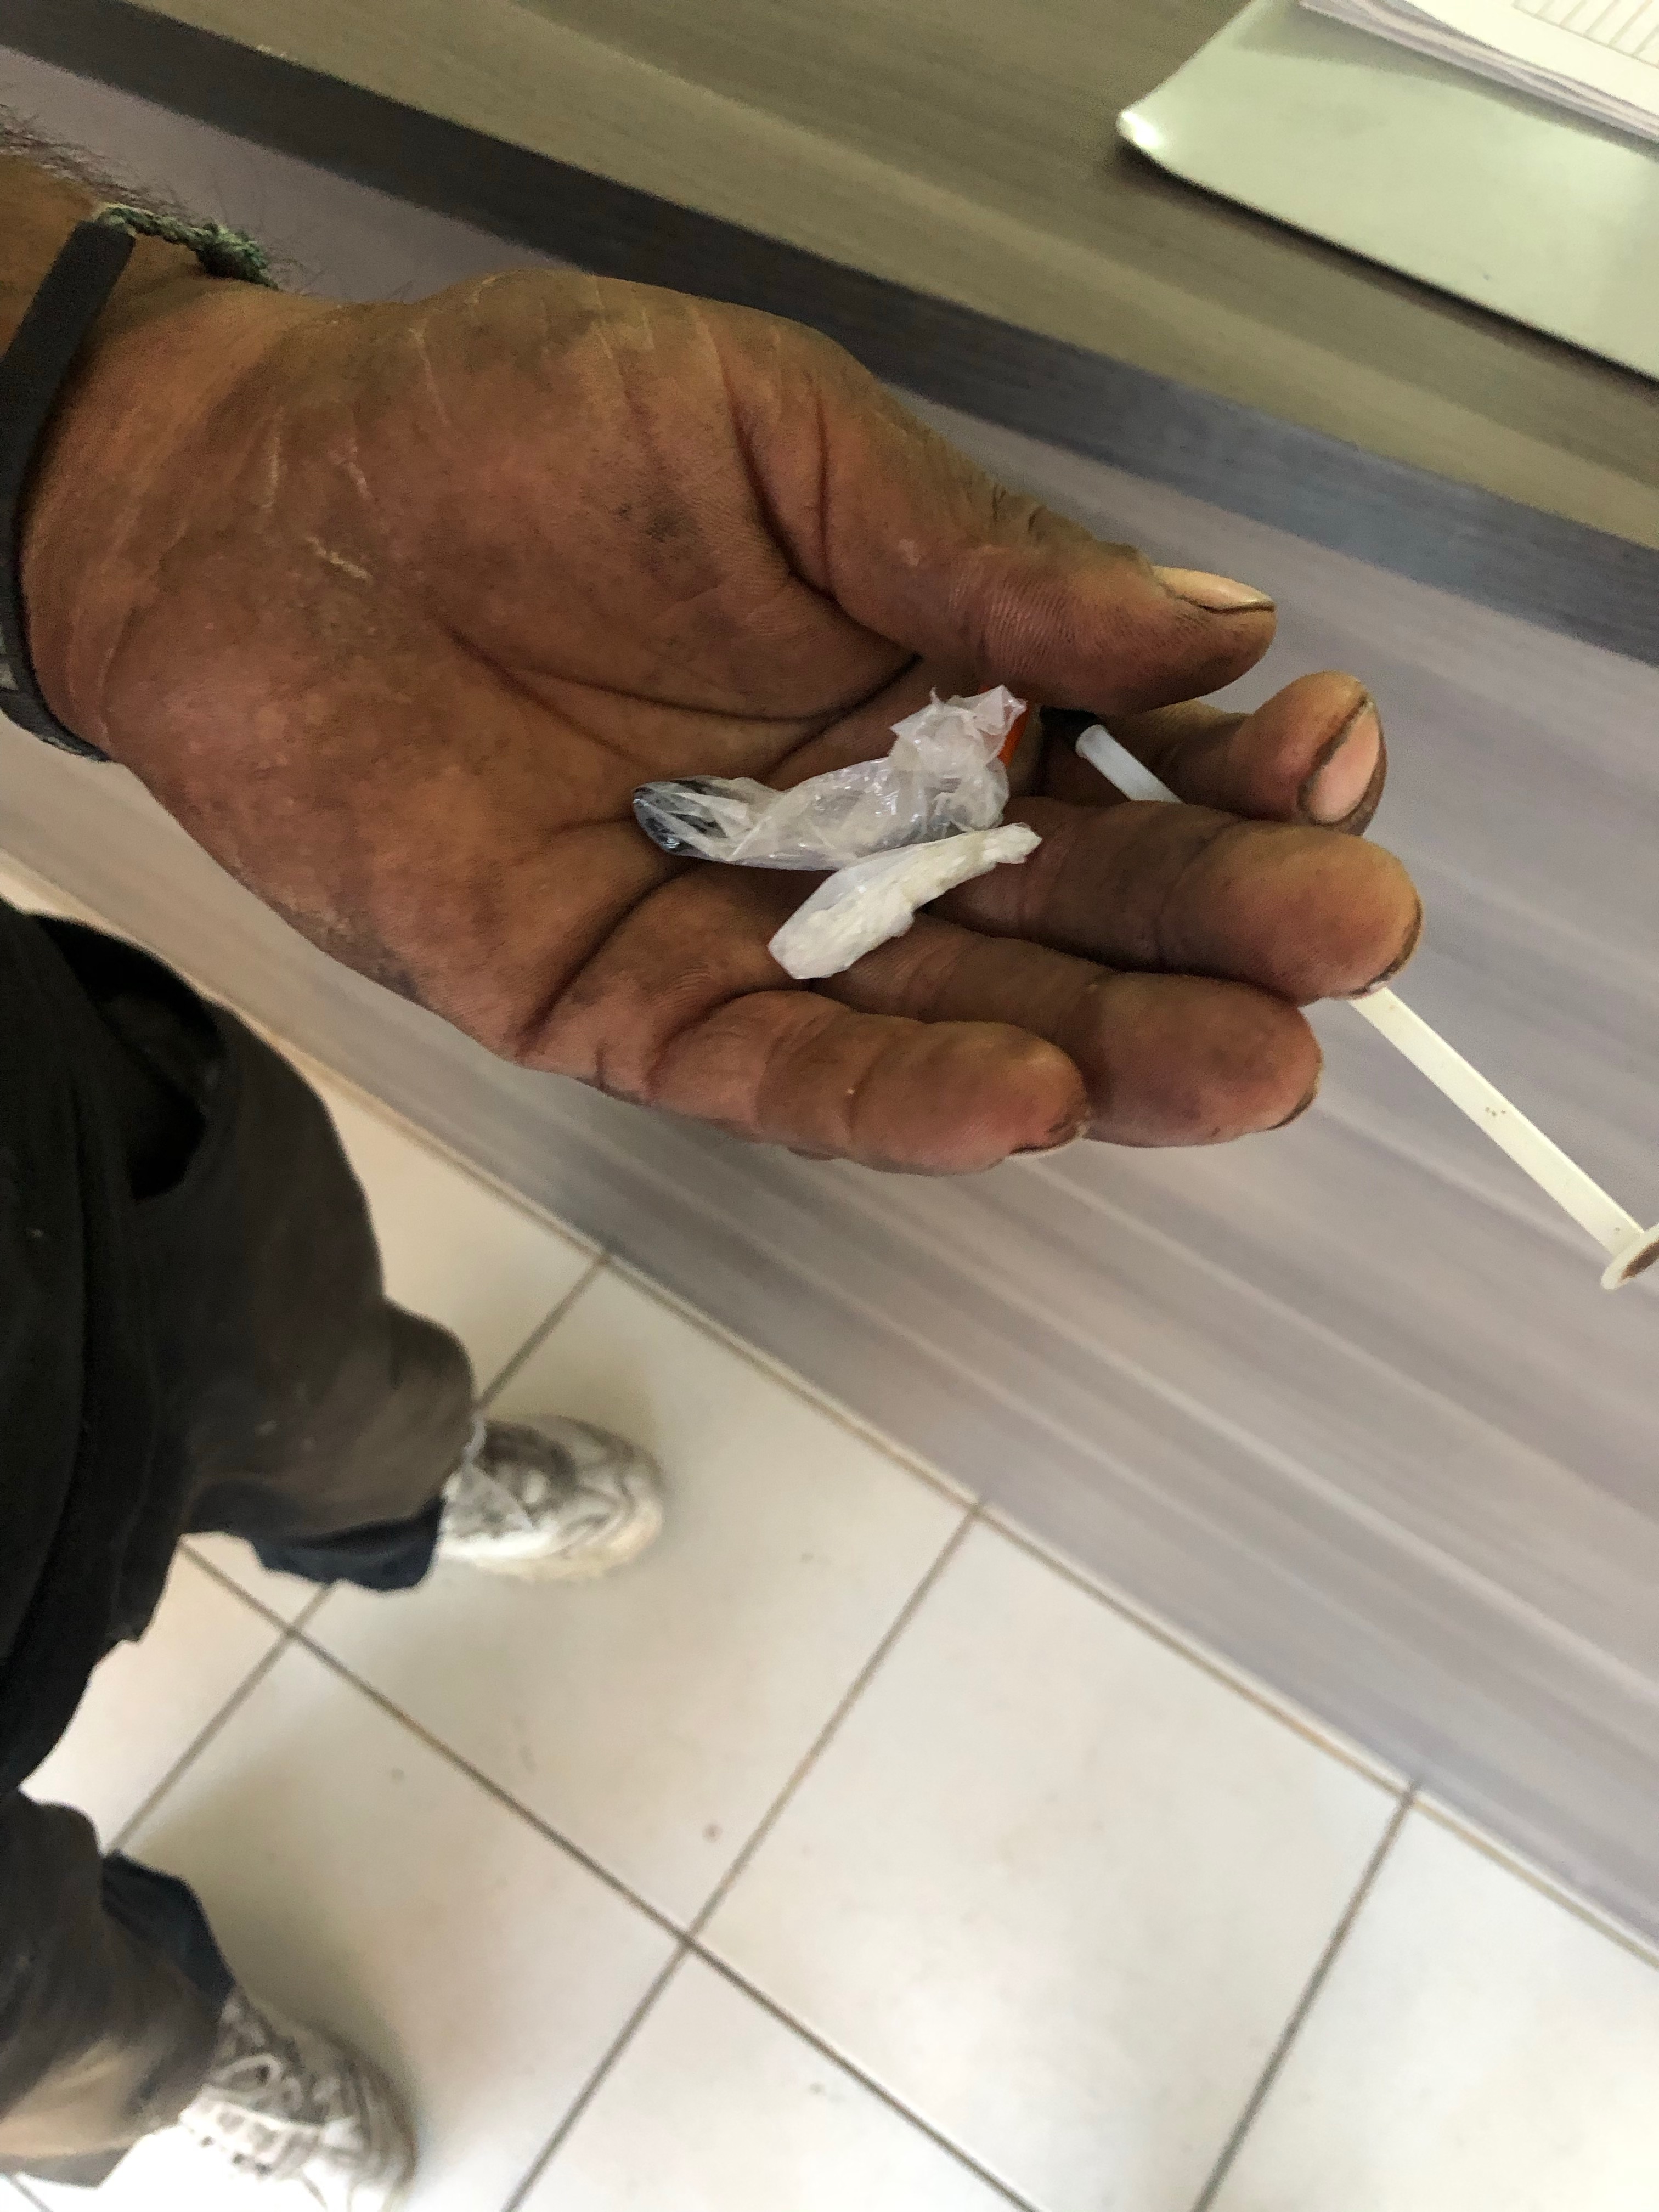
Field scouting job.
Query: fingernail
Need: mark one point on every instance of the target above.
(1301, 1106)
(1343, 773)
(1414, 937)
(1065, 1133)
(1221, 595)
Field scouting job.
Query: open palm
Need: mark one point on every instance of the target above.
(414, 597)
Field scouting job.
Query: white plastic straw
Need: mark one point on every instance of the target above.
(1617, 1233)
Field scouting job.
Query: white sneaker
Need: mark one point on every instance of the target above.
(300, 2114)
(552, 1498)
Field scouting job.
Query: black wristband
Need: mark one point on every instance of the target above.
(34, 371)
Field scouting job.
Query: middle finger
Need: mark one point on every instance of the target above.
(1302, 913)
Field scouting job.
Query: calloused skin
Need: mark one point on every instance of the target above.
(393, 606)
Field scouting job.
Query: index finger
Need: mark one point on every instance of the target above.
(1314, 753)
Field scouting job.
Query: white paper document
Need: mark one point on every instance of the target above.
(1597, 57)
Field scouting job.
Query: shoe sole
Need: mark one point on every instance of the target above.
(401, 2131)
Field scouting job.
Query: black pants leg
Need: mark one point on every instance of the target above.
(300, 1409)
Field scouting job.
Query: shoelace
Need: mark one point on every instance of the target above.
(475, 1498)
(488, 1503)
(269, 2111)
(271, 2148)
(482, 1502)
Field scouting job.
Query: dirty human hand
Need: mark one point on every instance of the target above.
(393, 606)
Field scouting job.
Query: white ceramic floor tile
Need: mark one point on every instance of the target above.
(826, 1400)
(1056, 1887)
(1477, 2048)
(453, 1249)
(355, 1876)
(1251, 1686)
(286, 1596)
(654, 1717)
(149, 1701)
(715, 2106)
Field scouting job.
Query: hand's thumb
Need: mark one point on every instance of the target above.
(916, 542)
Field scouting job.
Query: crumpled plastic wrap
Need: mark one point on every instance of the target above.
(862, 906)
(944, 774)
(897, 831)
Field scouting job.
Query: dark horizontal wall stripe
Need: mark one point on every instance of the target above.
(1547, 570)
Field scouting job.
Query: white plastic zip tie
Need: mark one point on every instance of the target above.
(1632, 1247)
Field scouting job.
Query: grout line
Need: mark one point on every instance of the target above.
(1511, 1862)
(481, 1403)
(840, 2059)
(596, 2079)
(320, 1597)
(1307, 1726)
(1352, 1756)
(689, 1949)
(791, 1379)
(563, 1842)
(1304, 2005)
(239, 1696)
(492, 1788)
(543, 1329)
(309, 1611)
(290, 1626)
(820, 1743)
(229, 1582)
(584, 1858)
